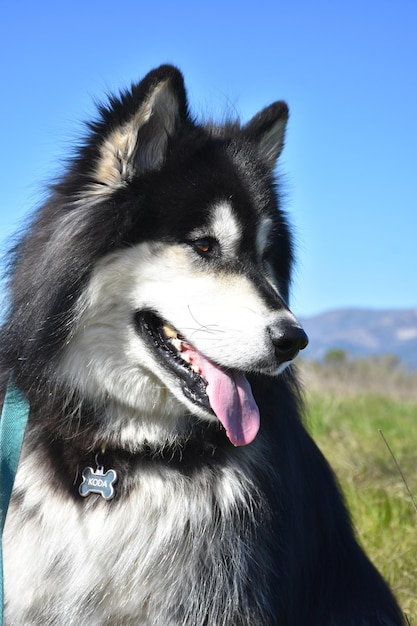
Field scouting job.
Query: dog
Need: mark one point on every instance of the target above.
(166, 477)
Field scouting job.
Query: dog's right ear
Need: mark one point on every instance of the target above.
(133, 135)
(267, 131)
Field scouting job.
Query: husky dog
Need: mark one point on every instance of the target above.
(166, 477)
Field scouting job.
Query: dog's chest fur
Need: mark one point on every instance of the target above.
(178, 549)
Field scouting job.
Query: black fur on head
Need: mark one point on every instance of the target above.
(143, 148)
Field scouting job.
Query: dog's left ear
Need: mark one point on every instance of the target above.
(267, 131)
(134, 135)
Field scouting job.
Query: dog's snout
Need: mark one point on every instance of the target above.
(288, 340)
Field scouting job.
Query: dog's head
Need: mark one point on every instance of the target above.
(163, 263)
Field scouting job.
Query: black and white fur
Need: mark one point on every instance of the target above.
(159, 220)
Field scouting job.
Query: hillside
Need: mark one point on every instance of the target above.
(364, 333)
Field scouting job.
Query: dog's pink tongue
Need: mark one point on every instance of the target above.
(230, 397)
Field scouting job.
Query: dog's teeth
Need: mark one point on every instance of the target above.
(169, 331)
(177, 344)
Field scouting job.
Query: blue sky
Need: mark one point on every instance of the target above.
(348, 71)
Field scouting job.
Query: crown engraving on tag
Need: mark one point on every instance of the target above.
(98, 482)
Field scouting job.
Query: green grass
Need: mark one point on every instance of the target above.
(346, 428)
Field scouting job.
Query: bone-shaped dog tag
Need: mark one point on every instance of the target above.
(98, 482)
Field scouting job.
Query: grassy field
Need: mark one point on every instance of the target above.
(345, 421)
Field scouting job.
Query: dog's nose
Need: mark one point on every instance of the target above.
(288, 340)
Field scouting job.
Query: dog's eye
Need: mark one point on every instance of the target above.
(204, 246)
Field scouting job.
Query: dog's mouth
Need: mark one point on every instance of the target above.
(224, 393)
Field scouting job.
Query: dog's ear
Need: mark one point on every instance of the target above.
(133, 135)
(267, 131)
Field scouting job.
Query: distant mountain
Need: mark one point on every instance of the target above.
(363, 333)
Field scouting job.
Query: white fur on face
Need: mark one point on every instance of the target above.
(263, 235)
(221, 314)
(226, 229)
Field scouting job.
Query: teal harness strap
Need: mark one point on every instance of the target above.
(12, 429)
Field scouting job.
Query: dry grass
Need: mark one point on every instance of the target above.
(383, 375)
